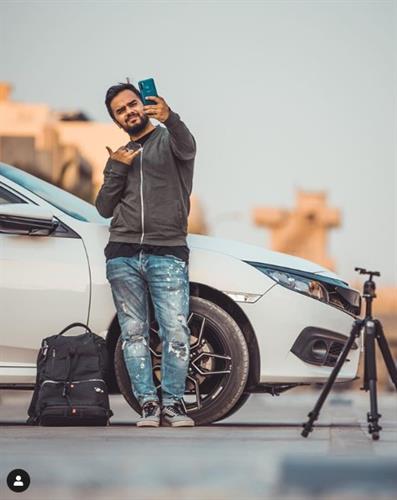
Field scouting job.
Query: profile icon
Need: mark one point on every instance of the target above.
(18, 480)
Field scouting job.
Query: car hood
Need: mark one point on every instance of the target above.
(244, 251)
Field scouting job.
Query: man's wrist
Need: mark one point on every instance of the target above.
(172, 119)
(119, 167)
(168, 114)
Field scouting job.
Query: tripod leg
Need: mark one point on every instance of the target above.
(313, 415)
(386, 353)
(365, 362)
(370, 332)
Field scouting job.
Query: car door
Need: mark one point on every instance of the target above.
(44, 286)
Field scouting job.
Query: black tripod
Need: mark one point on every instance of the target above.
(372, 329)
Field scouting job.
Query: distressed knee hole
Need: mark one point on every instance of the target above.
(135, 346)
(179, 349)
(134, 327)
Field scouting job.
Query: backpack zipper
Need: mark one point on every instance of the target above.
(73, 381)
(44, 348)
(53, 359)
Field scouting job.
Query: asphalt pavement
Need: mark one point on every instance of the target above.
(258, 453)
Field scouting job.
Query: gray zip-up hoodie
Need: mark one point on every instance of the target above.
(149, 200)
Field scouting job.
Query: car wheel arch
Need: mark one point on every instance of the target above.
(233, 309)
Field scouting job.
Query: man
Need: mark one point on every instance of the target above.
(146, 190)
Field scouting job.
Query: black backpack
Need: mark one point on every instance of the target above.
(70, 383)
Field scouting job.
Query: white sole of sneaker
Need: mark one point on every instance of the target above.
(148, 423)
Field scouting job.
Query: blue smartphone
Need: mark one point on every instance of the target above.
(147, 88)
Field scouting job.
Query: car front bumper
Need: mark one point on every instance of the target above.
(278, 318)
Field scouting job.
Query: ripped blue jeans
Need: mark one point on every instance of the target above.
(166, 278)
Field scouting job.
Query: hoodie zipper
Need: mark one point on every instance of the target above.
(142, 208)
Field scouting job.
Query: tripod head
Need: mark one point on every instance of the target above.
(361, 270)
(369, 287)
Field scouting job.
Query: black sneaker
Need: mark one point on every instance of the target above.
(150, 415)
(175, 416)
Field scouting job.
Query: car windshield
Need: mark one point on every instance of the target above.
(67, 202)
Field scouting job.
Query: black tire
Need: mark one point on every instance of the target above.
(240, 403)
(217, 345)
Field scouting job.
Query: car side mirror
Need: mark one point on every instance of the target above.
(26, 219)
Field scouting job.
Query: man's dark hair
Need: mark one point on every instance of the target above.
(116, 89)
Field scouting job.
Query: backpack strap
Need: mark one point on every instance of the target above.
(32, 410)
(72, 325)
(72, 356)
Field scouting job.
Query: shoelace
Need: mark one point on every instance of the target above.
(175, 410)
(150, 409)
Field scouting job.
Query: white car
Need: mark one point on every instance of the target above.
(260, 321)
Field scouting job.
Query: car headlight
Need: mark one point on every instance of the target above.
(303, 285)
(329, 290)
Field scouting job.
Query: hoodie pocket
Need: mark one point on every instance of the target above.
(126, 219)
(166, 217)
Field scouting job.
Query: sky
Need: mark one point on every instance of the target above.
(280, 96)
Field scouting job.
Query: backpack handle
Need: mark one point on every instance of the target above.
(73, 325)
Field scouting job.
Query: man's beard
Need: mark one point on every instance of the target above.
(138, 127)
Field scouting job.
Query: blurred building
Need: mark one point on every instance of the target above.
(31, 140)
(302, 231)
